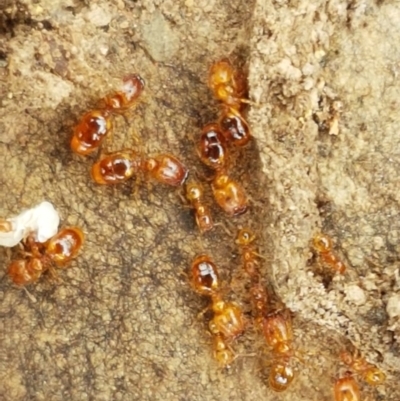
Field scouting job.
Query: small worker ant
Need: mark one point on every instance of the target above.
(346, 388)
(227, 323)
(227, 84)
(194, 194)
(96, 124)
(322, 245)
(245, 239)
(259, 295)
(369, 372)
(120, 101)
(276, 325)
(39, 257)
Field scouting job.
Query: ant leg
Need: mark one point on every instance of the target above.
(250, 102)
(226, 226)
(53, 273)
(30, 296)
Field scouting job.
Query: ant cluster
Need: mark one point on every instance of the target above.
(216, 142)
(215, 150)
(274, 323)
(227, 322)
(120, 166)
(346, 388)
(228, 86)
(271, 318)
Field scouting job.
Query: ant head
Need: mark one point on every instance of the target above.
(374, 376)
(245, 237)
(322, 243)
(346, 357)
(194, 191)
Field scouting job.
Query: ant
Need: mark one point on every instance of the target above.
(120, 101)
(194, 194)
(245, 239)
(322, 244)
(347, 389)
(117, 167)
(91, 131)
(58, 250)
(166, 169)
(96, 124)
(227, 323)
(229, 86)
(369, 372)
(278, 333)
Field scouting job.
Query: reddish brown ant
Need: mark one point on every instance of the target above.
(39, 257)
(117, 167)
(96, 124)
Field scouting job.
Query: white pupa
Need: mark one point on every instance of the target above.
(42, 222)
